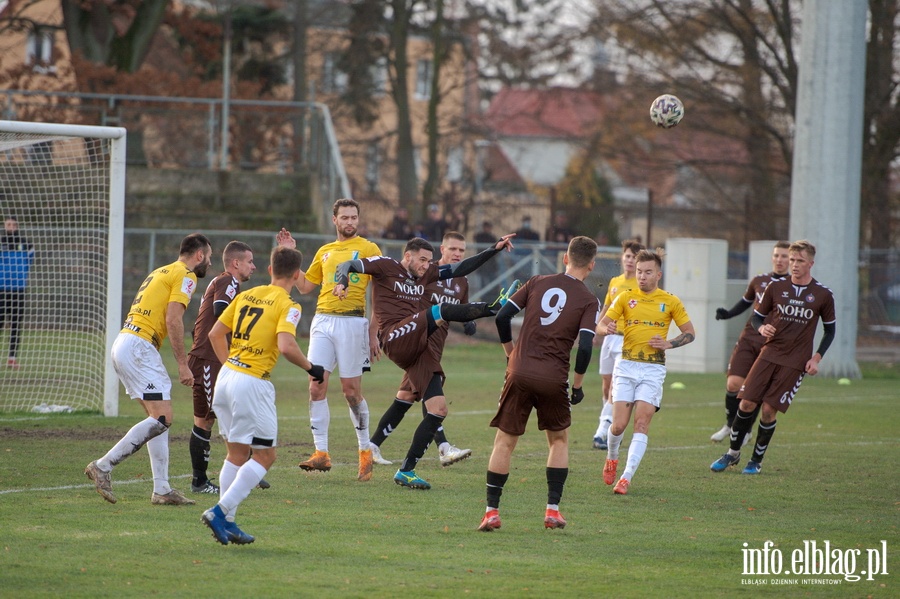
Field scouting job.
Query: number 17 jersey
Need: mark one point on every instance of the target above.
(255, 318)
(557, 307)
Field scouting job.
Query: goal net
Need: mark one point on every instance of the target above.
(62, 187)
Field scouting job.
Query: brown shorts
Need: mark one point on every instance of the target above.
(550, 399)
(744, 355)
(205, 373)
(772, 384)
(409, 346)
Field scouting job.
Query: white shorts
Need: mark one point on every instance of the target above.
(341, 341)
(610, 352)
(245, 409)
(638, 381)
(140, 368)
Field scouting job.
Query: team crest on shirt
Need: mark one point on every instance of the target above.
(325, 257)
(188, 286)
(293, 316)
(662, 307)
(632, 303)
(810, 298)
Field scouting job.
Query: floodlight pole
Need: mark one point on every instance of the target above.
(226, 87)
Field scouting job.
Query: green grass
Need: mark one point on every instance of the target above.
(830, 474)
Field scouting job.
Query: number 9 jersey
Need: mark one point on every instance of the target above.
(557, 308)
(255, 318)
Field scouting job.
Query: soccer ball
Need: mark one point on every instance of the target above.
(666, 111)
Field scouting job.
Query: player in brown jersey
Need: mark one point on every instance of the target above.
(787, 317)
(404, 327)
(237, 259)
(559, 309)
(750, 342)
(447, 291)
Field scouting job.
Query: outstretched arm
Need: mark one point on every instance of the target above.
(472, 263)
(740, 307)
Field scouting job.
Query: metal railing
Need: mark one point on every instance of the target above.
(185, 133)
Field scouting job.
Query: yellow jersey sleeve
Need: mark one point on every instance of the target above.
(147, 315)
(255, 318)
(324, 266)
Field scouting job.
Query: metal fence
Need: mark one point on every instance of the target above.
(185, 133)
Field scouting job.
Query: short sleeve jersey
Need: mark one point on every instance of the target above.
(221, 290)
(147, 316)
(617, 285)
(557, 307)
(646, 315)
(794, 311)
(395, 293)
(445, 291)
(255, 318)
(753, 295)
(321, 272)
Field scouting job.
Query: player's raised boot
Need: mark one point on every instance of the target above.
(491, 521)
(553, 519)
(214, 519)
(609, 471)
(411, 480)
(725, 462)
(454, 454)
(752, 467)
(207, 487)
(319, 461)
(173, 497)
(504, 296)
(101, 480)
(600, 443)
(365, 465)
(721, 434)
(263, 484)
(376, 456)
(236, 535)
(621, 487)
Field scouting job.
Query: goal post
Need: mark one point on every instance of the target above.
(61, 272)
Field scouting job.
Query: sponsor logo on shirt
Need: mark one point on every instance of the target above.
(187, 286)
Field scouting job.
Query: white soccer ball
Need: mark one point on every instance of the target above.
(666, 111)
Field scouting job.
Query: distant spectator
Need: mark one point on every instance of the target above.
(399, 227)
(486, 234)
(559, 231)
(525, 232)
(435, 225)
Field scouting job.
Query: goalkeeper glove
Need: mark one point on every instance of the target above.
(722, 314)
(469, 328)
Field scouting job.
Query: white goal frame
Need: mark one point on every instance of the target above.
(116, 229)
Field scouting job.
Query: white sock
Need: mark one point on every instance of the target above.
(246, 480)
(614, 442)
(605, 420)
(319, 419)
(226, 476)
(635, 454)
(158, 447)
(133, 440)
(553, 506)
(359, 415)
(443, 447)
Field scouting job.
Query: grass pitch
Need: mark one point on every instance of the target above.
(831, 475)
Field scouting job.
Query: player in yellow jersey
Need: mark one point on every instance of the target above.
(156, 312)
(340, 336)
(611, 350)
(263, 325)
(639, 375)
